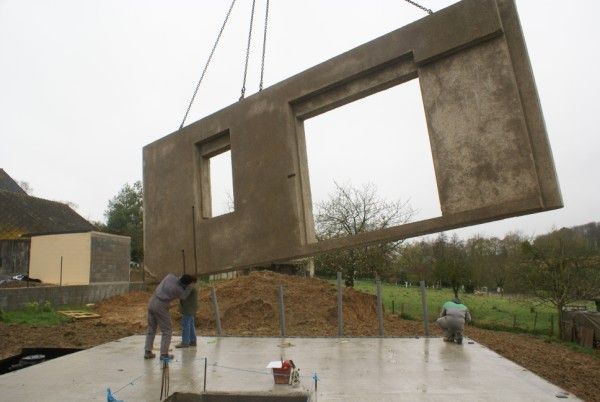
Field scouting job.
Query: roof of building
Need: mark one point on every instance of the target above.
(21, 214)
(8, 184)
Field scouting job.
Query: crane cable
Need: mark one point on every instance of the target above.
(248, 51)
(414, 3)
(262, 64)
(207, 63)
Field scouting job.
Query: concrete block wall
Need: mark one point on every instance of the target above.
(110, 256)
(16, 298)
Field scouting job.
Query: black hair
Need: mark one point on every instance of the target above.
(187, 279)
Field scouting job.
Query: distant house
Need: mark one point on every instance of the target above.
(36, 234)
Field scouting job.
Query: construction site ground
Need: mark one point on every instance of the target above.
(249, 307)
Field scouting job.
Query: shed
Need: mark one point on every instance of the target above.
(79, 258)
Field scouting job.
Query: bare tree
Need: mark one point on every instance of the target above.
(350, 211)
(561, 269)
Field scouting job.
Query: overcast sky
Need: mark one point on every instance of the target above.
(84, 85)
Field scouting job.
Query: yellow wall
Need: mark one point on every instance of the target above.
(75, 248)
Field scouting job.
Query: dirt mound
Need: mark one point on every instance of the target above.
(249, 306)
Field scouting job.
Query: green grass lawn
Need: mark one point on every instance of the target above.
(34, 313)
(509, 312)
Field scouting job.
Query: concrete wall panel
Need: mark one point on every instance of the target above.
(491, 153)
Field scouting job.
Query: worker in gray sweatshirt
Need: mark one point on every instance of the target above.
(169, 289)
(452, 320)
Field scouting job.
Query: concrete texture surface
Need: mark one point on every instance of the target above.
(349, 369)
(490, 149)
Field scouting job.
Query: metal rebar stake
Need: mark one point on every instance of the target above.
(164, 387)
(215, 303)
(379, 307)
(281, 312)
(424, 304)
(205, 364)
(340, 308)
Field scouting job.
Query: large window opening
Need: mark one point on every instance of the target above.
(221, 184)
(215, 176)
(371, 153)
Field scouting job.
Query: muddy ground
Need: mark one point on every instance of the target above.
(249, 306)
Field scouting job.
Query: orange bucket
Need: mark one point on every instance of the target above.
(282, 375)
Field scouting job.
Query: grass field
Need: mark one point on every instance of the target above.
(43, 314)
(509, 312)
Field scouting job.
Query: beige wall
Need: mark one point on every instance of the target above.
(46, 251)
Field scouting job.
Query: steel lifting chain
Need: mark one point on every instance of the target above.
(207, 63)
(248, 50)
(262, 64)
(414, 3)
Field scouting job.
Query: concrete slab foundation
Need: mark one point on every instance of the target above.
(348, 369)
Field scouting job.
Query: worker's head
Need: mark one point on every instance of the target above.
(456, 300)
(187, 279)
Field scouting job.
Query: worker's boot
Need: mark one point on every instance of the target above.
(149, 355)
(167, 357)
(182, 345)
(459, 340)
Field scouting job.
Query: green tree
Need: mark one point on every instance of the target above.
(350, 211)
(561, 268)
(124, 216)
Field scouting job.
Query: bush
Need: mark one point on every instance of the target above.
(46, 307)
(32, 307)
(36, 307)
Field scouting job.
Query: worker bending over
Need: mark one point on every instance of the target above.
(452, 320)
(169, 289)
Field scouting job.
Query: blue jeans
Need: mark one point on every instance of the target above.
(188, 330)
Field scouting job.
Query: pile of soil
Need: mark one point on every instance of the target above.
(249, 307)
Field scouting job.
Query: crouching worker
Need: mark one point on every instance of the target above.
(452, 320)
(188, 308)
(169, 289)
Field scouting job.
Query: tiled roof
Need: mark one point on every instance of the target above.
(8, 184)
(21, 214)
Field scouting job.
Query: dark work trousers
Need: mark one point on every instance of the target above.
(158, 316)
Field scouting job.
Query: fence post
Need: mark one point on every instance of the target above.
(535, 321)
(514, 321)
(402, 310)
(551, 324)
(61, 270)
(393, 307)
(379, 307)
(340, 309)
(213, 296)
(424, 305)
(281, 312)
